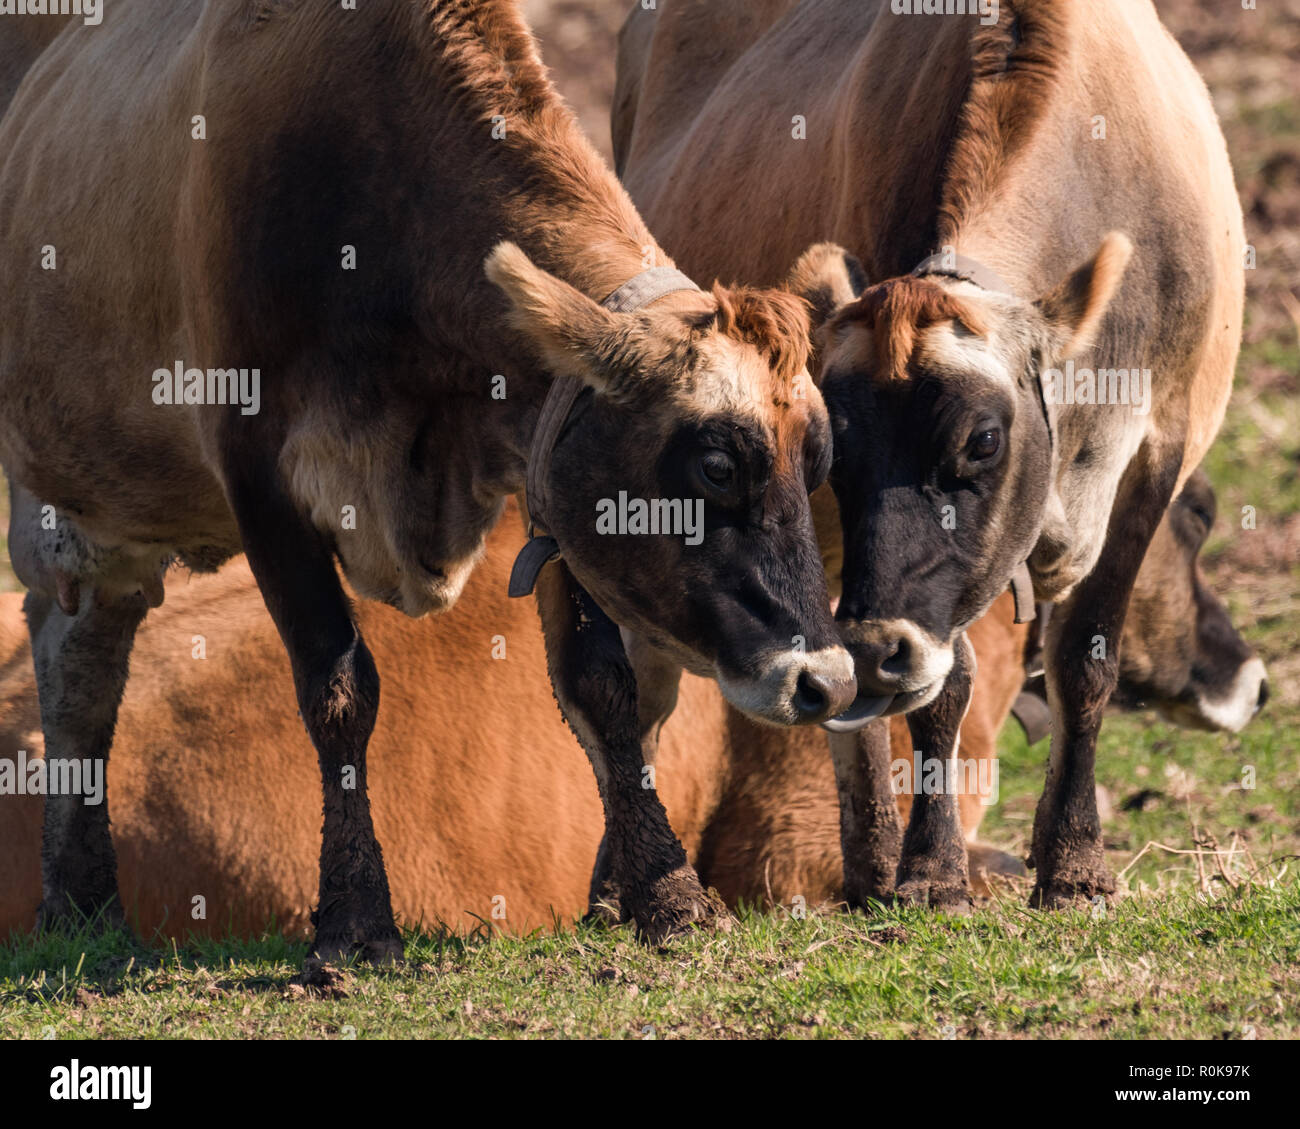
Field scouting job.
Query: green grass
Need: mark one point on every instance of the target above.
(1176, 954)
(1169, 786)
(1148, 968)
(1256, 459)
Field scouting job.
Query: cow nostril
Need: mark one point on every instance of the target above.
(811, 695)
(1263, 695)
(899, 660)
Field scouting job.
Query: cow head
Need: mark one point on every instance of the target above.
(678, 490)
(943, 458)
(1180, 652)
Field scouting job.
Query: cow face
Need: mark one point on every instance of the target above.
(1180, 651)
(678, 491)
(943, 459)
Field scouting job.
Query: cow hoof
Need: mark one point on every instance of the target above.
(606, 905)
(1079, 892)
(677, 904)
(385, 950)
(604, 912)
(869, 898)
(943, 897)
(872, 883)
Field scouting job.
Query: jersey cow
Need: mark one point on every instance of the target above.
(315, 283)
(1044, 207)
(206, 773)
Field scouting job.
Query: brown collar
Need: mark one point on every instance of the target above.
(958, 266)
(541, 548)
(969, 270)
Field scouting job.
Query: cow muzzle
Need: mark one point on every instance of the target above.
(898, 665)
(794, 687)
(1227, 710)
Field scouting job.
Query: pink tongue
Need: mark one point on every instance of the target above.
(859, 714)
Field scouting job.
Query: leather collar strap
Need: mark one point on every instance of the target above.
(541, 548)
(968, 270)
(960, 267)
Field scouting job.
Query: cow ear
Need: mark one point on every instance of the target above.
(569, 331)
(826, 277)
(1075, 308)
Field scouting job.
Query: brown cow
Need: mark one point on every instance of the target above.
(210, 763)
(972, 163)
(199, 194)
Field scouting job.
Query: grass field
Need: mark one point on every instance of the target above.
(1177, 966)
(1203, 941)
(1199, 945)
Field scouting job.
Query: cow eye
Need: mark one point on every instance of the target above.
(985, 444)
(1203, 516)
(718, 469)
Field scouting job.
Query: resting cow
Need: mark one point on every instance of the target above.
(243, 255)
(996, 405)
(212, 774)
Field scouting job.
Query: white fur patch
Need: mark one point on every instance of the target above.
(952, 348)
(1235, 708)
(770, 696)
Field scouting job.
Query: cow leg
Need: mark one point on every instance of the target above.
(1082, 666)
(597, 690)
(657, 681)
(871, 833)
(81, 666)
(338, 698)
(933, 870)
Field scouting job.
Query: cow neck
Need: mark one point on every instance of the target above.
(964, 269)
(541, 548)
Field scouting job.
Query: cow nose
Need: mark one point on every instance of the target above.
(818, 696)
(886, 661)
(1263, 695)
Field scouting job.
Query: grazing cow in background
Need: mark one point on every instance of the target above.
(1194, 668)
(243, 250)
(205, 775)
(997, 405)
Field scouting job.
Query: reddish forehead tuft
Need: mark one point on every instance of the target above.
(896, 311)
(775, 323)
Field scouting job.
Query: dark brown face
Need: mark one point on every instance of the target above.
(1180, 651)
(942, 478)
(943, 460)
(733, 587)
(678, 489)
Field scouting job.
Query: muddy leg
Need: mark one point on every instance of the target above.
(597, 691)
(933, 869)
(81, 668)
(657, 681)
(338, 696)
(1082, 669)
(871, 833)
